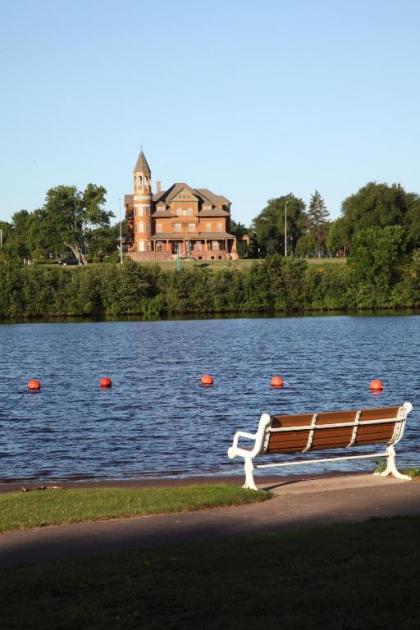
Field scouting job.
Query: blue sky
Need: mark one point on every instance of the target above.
(250, 99)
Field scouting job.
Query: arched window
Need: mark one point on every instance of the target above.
(139, 182)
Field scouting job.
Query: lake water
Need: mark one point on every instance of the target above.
(157, 421)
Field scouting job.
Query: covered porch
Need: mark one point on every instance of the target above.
(200, 247)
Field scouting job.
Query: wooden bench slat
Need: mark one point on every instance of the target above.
(341, 437)
(331, 443)
(279, 440)
(386, 429)
(382, 412)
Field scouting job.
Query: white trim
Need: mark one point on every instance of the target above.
(336, 425)
(311, 433)
(322, 460)
(356, 426)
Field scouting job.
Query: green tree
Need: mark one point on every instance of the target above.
(338, 239)
(269, 224)
(305, 246)
(102, 242)
(71, 215)
(239, 230)
(375, 259)
(379, 205)
(317, 223)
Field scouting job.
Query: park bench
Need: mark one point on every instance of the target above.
(307, 432)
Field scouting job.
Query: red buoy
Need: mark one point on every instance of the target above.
(34, 385)
(376, 385)
(206, 379)
(277, 381)
(105, 381)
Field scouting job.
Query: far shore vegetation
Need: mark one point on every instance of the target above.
(358, 575)
(375, 279)
(367, 259)
(39, 508)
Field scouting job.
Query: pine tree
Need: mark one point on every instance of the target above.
(317, 221)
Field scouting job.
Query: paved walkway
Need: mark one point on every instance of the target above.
(295, 504)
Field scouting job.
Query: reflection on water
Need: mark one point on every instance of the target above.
(157, 420)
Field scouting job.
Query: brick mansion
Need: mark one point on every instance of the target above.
(192, 222)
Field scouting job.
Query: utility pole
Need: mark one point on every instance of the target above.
(285, 229)
(121, 248)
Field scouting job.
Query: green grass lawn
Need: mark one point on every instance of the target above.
(20, 510)
(241, 265)
(343, 577)
(214, 265)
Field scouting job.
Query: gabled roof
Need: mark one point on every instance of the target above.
(217, 200)
(166, 196)
(177, 188)
(142, 165)
(205, 195)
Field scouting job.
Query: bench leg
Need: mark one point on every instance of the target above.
(391, 468)
(249, 477)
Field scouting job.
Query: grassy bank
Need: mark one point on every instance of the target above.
(336, 577)
(19, 510)
(273, 285)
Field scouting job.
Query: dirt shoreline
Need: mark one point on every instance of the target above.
(162, 482)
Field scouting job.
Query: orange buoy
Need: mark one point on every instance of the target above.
(34, 385)
(206, 379)
(376, 385)
(105, 381)
(277, 381)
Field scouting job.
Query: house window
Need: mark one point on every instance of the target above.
(177, 227)
(140, 227)
(220, 227)
(191, 227)
(159, 227)
(139, 182)
(208, 227)
(189, 212)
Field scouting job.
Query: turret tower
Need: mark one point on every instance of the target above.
(142, 202)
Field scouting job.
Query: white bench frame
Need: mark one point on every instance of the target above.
(262, 435)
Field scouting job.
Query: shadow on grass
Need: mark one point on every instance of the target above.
(343, 576)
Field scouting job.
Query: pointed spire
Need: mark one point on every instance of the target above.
(142, 165)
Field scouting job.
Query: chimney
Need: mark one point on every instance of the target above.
(158, 187)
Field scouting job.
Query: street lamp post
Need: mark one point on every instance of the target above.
(121, 248)
(285, 229)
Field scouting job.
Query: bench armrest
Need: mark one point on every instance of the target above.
(258, 438)
(240, 434)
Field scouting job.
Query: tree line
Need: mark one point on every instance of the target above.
(76, 221)
(372, 280)
(311, 232)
